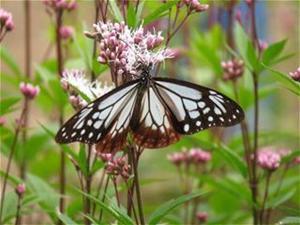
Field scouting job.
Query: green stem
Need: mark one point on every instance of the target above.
(268, 178)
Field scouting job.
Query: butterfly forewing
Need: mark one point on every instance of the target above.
(105, 115)
(151, 124)
(195, 107)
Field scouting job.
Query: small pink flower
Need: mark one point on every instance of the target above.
(20, 189)
(105, 156)
(2, 121)
(66, 32)
(262, 45)
(6, 20)
(28, 90)
(297, 160)
(117, 166)
(232, 69)
(202, 217)
(176, 158)
(195, 5)
(268, 159)
(199, 156)
(238, 16)
(295, 75)
(61, 4)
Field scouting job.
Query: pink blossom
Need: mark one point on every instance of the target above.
(28, 90)
(117, 167)
(195, 5)
(202, 217)
(2, 121)
(295, 75)
(238, 16)
(232, 69)
(262, 45)
(268, 159)
(66, 32)
(297, 160)
(105, 156)
(6, 20)
(20, 189)
(61, 4)
(176, 158)
(199, 156)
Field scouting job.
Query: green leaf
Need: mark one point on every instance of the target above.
(233, 159)
(291, 220)
(167, 207)
(82, 160)
(131, 16)
(65, 148)
(159, 12)
(15, 180)
(122, 217)
(49, 199)
(66, 219)
(9, 207)
(115, 11)
(285, 80)
(6, 104)
(272, 52)
(273, 203)
(84, 47)
(8, 59)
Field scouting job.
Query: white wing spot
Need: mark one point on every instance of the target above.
(89, 122)
(64, 134)
(98, 124)
(238, 111)
(63, 129)
(91, 134)
(217, 111)
(198, 123)
(82, 132)
(73, 134)
(186, 127)
(221, 118)
(95, 115)
(213, 92)
(201, 104)
(99, 135)
(210, 118)
(189, 105)
(233, 116)
(206, 110)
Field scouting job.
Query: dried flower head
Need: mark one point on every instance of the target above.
(61, 4)
(195, 156)
(66, 32)
(124, 49)
(28, 90)
(232, 69)
(195, 5)
(77, 85)
(268, 158)
(295, 75)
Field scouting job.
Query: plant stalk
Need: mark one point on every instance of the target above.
(268, 178)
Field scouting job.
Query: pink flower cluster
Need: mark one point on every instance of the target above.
(6, 20)
(2, 121)
(28, 90)
(66, 32)
(295, 75)
(61, 4)
(268, 158)
(195, 5)
(115, 166)
(195, 156)
(232, 69)
(124, 49)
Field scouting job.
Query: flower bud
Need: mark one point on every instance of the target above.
(268, 159)
(28, 90)
(232, 69)
(66, 32)
(295, 75)
(202, 217)
(20, 189)
(2, 121)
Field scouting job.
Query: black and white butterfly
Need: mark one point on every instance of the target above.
(157, 111)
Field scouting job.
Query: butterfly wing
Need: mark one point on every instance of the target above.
(195, 107)
(151, 124)
(105, 120)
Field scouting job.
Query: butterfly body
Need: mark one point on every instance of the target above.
(157, 111)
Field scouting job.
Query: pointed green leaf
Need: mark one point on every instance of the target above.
(159, 12)
(8, 59)
(272, 52)
(167, 207)
(291, 220)
(66, 219)
(7, 104)
(116, 11)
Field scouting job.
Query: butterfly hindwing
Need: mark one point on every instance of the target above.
(92, 123)
(195, 107)
(151, 124)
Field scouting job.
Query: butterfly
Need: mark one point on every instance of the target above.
(155, 110)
